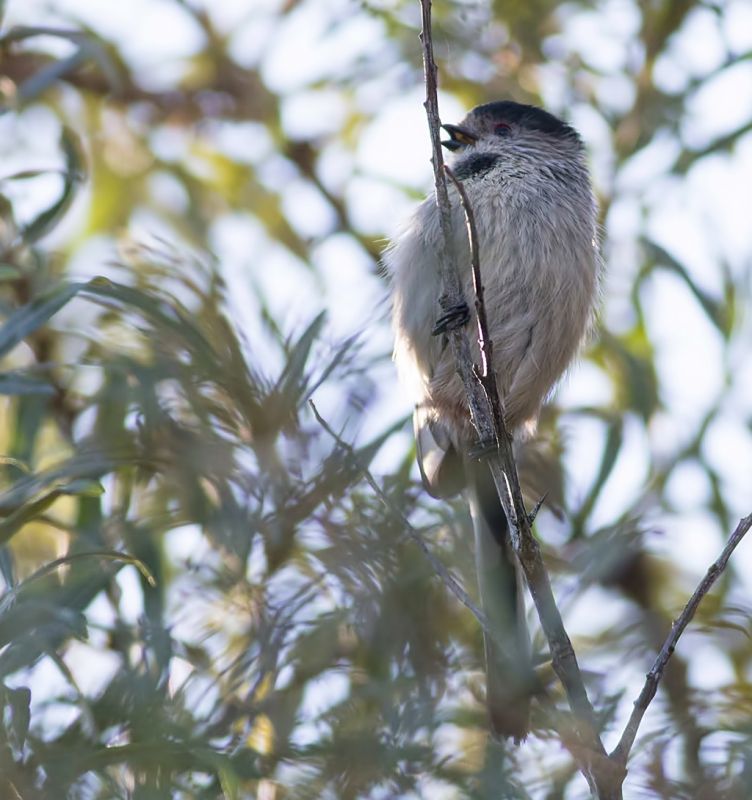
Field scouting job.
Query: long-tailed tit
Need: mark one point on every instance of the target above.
(526, 178)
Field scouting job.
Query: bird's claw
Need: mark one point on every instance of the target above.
(454, 317)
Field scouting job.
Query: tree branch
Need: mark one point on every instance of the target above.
(485, 375)
(452, 297)
(604, 773)
(622, 750)
(496, 437)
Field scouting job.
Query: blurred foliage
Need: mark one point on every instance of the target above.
(201, 596)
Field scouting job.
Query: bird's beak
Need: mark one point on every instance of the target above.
(458, 137)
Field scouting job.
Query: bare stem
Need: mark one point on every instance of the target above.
(451, 296)
(486, 376)
(622, 750)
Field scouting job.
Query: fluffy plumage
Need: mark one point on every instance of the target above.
(525, 174)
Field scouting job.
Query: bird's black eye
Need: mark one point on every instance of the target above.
(502, 129)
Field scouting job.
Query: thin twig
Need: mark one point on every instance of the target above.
(451, 296)
(438, 565)
(431, 105)
(622, 750)
(485, 342)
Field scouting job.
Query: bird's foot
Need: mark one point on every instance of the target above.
(454, 317)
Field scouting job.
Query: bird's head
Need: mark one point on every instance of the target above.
(508, 127)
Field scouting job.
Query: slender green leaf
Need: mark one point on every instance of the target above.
(9, 272)
(611, 450)
(28, 618)
(27, 174)
(14, 383)
(717, 312)
(73, 176)
(156, 311)
(19, 701)
(20, 32)
(7, 566)
(292, 378)
(21, 466)
(12, 524)
(108, 555)
(31, 317)
(48, 75)
(87, 465)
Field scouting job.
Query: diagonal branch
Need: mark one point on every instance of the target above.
(622, 750)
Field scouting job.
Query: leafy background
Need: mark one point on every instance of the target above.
(202, 597)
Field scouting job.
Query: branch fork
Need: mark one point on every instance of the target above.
(604, 772)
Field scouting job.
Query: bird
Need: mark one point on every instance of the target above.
(526, 177)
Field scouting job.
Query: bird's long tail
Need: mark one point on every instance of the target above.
(509, 673)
